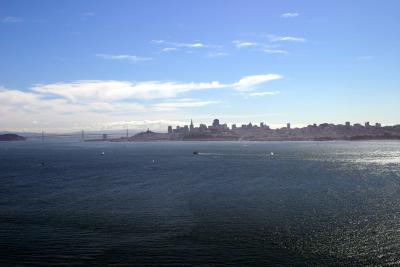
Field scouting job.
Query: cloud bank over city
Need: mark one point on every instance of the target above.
(109, 98)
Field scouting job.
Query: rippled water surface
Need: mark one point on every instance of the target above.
(311, 203)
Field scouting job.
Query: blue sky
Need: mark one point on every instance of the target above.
(113, 64)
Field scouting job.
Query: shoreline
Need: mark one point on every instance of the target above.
(243, 140)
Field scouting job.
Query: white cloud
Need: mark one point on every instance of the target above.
(264, 93)
(131, 58)
(193, 45)
(120, 90)
(115, 107)
(96, 92)
(241, 44)
(109, 90)
(248, 83)
(28, 102)
(287, 39)
(35, 102)
(168, 49)
(275, 51)
(157, 41)
(178, 44)
(89, 103)
(183, 103)
(290, 15)
(11, 20)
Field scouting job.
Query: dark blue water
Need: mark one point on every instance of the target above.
(312, 203)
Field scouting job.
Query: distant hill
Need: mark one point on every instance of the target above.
(11, 137)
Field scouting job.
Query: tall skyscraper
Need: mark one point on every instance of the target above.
(191, 125)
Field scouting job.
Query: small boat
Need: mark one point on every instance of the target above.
(103, 153)
(195, 152)
(271, 154)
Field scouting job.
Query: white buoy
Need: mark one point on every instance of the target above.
(272, 153)
(103, 153)
(154, 161)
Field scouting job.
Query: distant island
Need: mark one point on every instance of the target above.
(262, 132)
(11, 137)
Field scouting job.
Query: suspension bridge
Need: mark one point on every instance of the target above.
(82, 135)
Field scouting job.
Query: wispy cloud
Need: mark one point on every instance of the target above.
(249, 83)
(276, 51)
(365, 58)
(179, 44)
(259, 94)
(194, 45)
(131, 58)
(290, 15)
(241, 44)
(274, 38)
(11, 20)
(169, 49)
(217, 54)
(88, 14)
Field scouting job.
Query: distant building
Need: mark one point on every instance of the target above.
(366, 124)
(378, 125)
(233, 126)
(202, 128)
(347, 124)
(215, 123)
(170, 129)
(288, 125)
(177, 129)
(261, 125)
(104, 136)
(191, 128)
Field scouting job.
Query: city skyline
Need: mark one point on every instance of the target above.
(90, 65)
(216, 122)
(218, 131)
